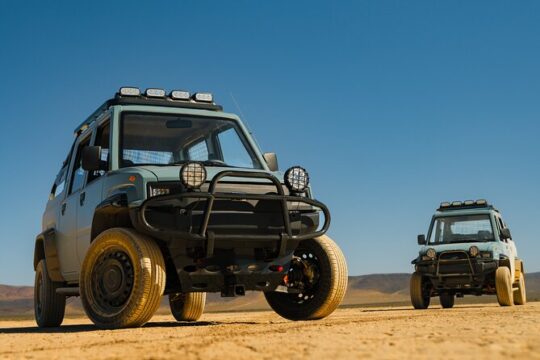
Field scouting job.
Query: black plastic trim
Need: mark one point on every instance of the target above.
(50, 254)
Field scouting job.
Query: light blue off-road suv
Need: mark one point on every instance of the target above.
(469, 250)
(167, 194)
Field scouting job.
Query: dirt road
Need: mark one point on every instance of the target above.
(479, 331)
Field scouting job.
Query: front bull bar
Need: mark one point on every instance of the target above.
(209, 237)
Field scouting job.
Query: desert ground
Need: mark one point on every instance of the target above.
(467, 331)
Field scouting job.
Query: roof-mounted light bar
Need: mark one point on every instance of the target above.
(463, 204)
(154, 93)
(129, 91)
(180, 95)
(203, 97)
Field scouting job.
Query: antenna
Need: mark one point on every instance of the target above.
(241, 113)
(244, 119)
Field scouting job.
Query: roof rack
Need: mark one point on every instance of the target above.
(151, 97)
(467, 204)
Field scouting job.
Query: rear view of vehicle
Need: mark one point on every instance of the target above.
(469, 250)
(167, 194)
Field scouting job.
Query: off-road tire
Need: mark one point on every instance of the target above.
(447, 300)
(503, 286)
(142, 279)
(329, 291)
(49, 307)
(520, 294)
(420, 299)
(187, 306)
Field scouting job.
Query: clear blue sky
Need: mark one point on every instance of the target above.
(393, 106)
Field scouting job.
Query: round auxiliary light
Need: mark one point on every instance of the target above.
(193, 175)
(473, 251)
(431, 253)
(297, 179)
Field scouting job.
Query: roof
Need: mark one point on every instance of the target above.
(469, 206)
(143, 100)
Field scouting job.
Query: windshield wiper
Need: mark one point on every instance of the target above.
(179, 162)
(215, 163)
(205, 162)
(466, 240)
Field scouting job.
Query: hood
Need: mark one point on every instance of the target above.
(172, 173)
(493, 246)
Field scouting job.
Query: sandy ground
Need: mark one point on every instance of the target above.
(479, 331)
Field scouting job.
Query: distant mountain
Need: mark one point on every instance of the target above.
(366, 290)
(15, 292)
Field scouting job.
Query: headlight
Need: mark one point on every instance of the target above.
(297, 179)
(193, 175)
(473, 251)
(486, 254)
(431, 253)
(159, 191)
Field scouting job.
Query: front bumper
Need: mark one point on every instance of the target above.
(220, 241)
(456, 270)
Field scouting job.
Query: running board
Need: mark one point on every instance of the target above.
(68, 291)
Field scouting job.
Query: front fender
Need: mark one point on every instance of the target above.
(45, 248)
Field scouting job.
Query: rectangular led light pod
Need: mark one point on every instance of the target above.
(129, 91)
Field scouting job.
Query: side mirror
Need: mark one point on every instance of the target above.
(505, 234)
(271, 160)
(91, 158)
(421, 239)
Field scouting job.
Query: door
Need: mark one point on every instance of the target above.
(91, 195)
(509, 245)
(66, 234)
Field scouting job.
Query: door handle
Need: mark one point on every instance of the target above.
(63, 209)
(81, 198)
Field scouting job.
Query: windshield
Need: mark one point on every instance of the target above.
(163, 139)
(457, 229)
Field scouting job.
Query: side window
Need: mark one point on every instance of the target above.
(59, 183)
(77, 177)
(233, 150)
(501, 225)
(102, 139)
(198, 151)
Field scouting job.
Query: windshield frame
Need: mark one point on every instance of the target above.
(244, 138)
(436, 217)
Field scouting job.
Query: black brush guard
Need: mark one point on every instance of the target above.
(461, 274)
(204, 236)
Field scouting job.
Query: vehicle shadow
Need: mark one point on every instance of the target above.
(88, 327)
(434, 307)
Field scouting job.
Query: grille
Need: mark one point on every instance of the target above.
(454, 255)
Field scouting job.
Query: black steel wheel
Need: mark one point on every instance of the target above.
(49, 307)
(112, 280)
(317, 281)
(420, 291)
(122, 279)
